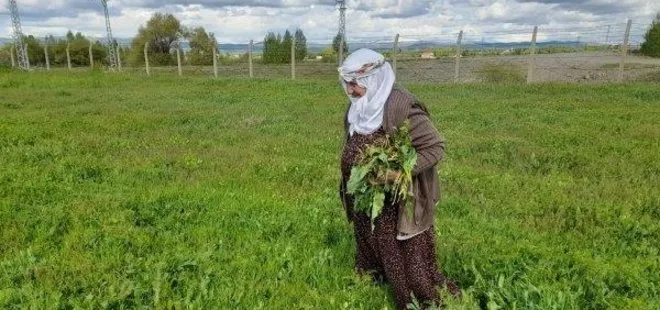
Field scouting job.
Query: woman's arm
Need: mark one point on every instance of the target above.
(426, 139)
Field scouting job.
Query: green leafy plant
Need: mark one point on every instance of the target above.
(390, 153)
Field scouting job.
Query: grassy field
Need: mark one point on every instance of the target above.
(122, 192)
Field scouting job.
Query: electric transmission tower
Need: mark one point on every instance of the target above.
(342, 17)
(112, 53)
(23, 61)
(342, 29)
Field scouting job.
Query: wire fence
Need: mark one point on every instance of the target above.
(606, 53)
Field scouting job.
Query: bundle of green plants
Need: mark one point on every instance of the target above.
(370, 180)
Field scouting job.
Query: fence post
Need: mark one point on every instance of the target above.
(250, 58)
(340, 60)
(293, 58)
(607, 37)
(215, 62)
(178, 58)
(46, 54)
(624, 50)
(68, 55)
(395, 50)
(146, 58)
(457, 65)
(532, 58)
(579, 43)
(91, 55)
(118, 58)
(27, 56)
(13, 60)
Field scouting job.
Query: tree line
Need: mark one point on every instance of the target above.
(78, 50)
(162, 32)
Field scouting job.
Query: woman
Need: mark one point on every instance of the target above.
(401, 249)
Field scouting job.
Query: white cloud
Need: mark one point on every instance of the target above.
(240, 21)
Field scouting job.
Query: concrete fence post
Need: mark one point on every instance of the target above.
(624, 50)
(293, 58)
(68, 56)
(532, 57)
(91, 55)
(457, 64)
(46, 55)
(215, 62)
(178, 59)
(27, 56)
(13, 59)
(250, 58)
(340, 59)
(146, 58)
(118, 50)
(395, 50)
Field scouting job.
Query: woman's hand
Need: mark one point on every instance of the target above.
(391, 177)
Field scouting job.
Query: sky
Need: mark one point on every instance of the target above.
(238, 21)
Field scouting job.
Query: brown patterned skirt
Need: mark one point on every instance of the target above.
(408, 265)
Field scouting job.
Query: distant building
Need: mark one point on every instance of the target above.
(428, 55)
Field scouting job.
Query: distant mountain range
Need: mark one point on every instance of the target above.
(407, 46)
(380, 46)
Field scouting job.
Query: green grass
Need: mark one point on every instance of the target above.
(125, 192)
(502, 73)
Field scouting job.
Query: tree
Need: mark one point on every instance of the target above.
(287, 41)
(328, 55)
(161, 32)
(202, 45)
(277, 49)
(272, 46)
(5, 56)
(651, 45)
(35, 51)
(278, 56)
(301, 45)
(267, 52)
(57, 51)
(79, 50)
(336, 43)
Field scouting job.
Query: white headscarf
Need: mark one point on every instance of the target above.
(369, 69)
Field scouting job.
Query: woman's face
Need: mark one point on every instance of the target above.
(354, 90)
